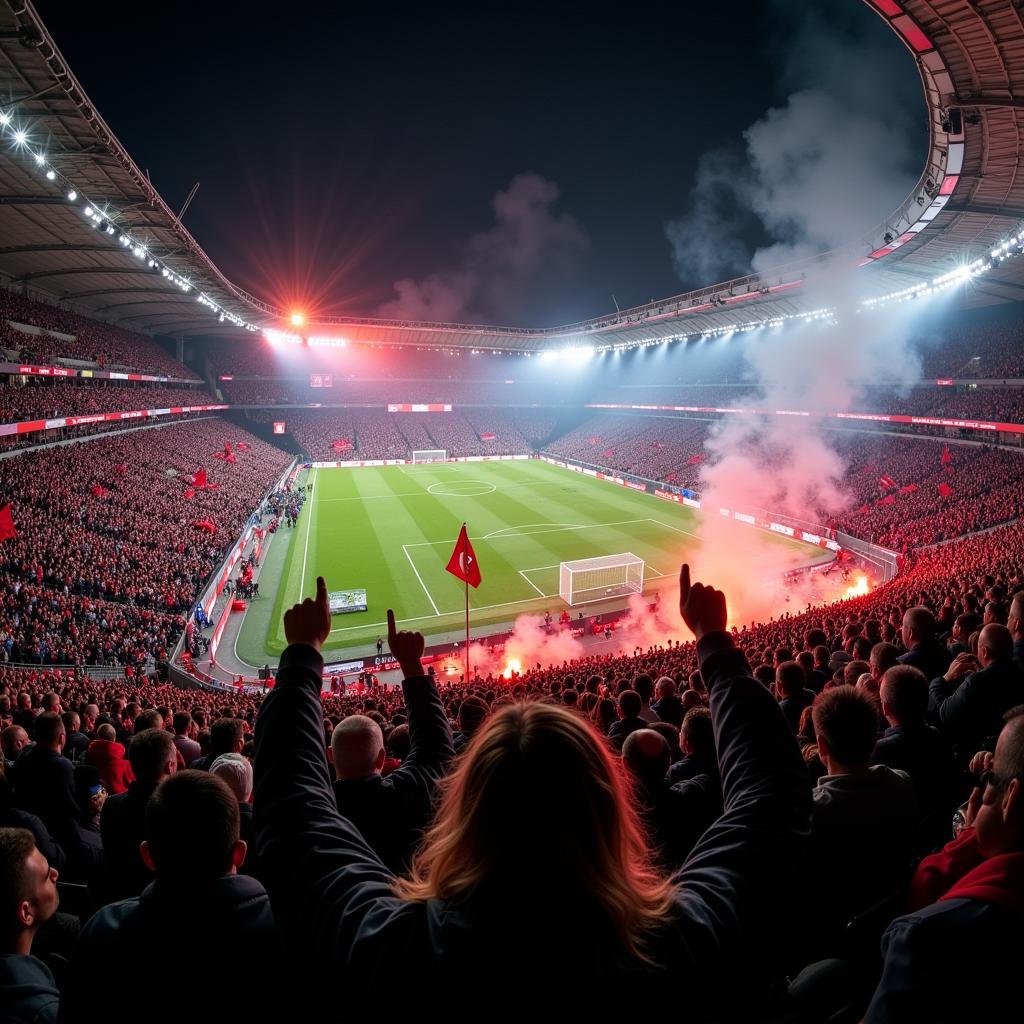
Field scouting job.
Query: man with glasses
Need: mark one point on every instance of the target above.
(957, 956)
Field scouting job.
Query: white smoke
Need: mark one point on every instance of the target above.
(527, 242)
(819, 171)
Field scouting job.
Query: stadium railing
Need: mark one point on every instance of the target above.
(883, 560)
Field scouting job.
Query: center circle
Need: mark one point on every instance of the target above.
(458, 489)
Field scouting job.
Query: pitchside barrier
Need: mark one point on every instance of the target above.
(884, 561)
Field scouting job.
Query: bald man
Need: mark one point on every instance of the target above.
(957, 955)
(923, 648)
(391, 811)
(969, 701)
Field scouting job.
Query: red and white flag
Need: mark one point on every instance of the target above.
(463, 563)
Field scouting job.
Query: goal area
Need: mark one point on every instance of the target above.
(429, 455)
(587, 580)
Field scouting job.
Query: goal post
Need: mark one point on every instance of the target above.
(586, 580)
(429, 455)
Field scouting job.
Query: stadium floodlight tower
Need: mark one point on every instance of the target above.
(587, 580)
(429, 455)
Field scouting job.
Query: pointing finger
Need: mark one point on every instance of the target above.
(684, 581)
(391, 623)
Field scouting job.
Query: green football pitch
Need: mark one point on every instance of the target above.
(391, 530)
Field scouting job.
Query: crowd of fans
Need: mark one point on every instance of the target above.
(77, 337)
(376, 434)
(664, 815)
(43, 398)
(109, 552)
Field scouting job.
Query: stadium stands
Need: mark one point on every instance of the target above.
(61, 334)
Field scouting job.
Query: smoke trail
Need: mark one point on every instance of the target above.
(824, 166)
(527, 242)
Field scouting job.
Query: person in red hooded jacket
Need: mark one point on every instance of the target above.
(956, 956)
(106, 755)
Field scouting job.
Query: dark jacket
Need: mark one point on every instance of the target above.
(44, 784)
(690, 766)
(932, 659)
(676, 816)
(338, 917)
(391, 811)
(793, 707)
(921, 752)
(15, 817)
(669, 709)
(217, 938)
(623, 727)
(75, 745)
(123, 827)
(28, 993)
(970, 712)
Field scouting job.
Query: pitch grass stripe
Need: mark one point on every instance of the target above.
(305, 547)
(405, 548)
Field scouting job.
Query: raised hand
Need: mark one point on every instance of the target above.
(310, 621)
(702, 607)
(406, 646)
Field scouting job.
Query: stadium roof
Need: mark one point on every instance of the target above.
(969, 197)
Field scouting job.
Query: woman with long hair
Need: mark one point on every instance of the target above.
(533, 888)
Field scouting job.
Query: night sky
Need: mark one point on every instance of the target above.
(340, 151)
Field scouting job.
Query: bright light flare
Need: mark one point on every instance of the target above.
(514, 666)
(859, 589)
(298, 319)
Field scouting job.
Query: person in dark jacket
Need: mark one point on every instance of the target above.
(227, 736)
(76, 742)
(924, 651)
(629, 720)
(969, 705)
(792, 693)
(44, 780)
(28, 899)
(697, 743)
(391, 811)
(956, 956)
(675, 816)
(199, 921)
(153, 757)
(1015, 624)
(535, 854)
(667, 706)
(911, 745)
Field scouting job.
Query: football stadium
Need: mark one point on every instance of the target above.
(401, 609)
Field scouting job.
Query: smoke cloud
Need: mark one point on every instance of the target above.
(528, 241)
(817, 170)
(815, 173)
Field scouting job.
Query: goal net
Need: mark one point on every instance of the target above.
(596, 579)
(430, 455)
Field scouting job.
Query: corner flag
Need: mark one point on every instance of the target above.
(463, 563)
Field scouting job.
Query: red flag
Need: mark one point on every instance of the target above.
(230, 457)
(488, 435)
(227, 448)
(909, 489)
(608, 453)
(945, 490)
(243, 447)
(947, 458)
(122, 468)
(887, 481)
(694, 460)
(190, 492)
(887, 500)
(199, 480)
(463, 563)
(98, 490)
(342, 444)
(7, 529)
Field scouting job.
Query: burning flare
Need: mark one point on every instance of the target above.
(859, 589)
(514, 666)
